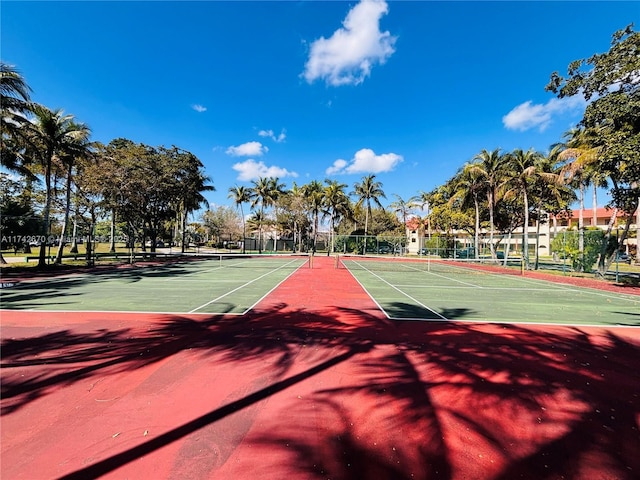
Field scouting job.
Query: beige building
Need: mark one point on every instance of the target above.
(599, 218)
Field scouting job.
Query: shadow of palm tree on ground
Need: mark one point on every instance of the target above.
(417, 399)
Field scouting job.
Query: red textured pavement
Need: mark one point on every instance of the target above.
(315, 383)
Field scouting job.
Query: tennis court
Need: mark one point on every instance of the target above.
(208, 284)
(426, 289)
(314, 381)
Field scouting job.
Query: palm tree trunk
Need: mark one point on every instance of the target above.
(594, 199)
(525, 231)
(47, 209)
(603, 260)
(244, 231)
(581, 228)
(491, 246)
(275, 228)
(260, 230)
(638, 232)
(315, 231)
(67, 209)
(537, 254)
(476, 237)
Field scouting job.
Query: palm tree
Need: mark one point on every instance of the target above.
(241, 194)
(367, 191)
(193, 183)
(263, 194)
(260, 198)
(521, 167)
(337, 204)
(401, 207)
(423, 201)
(297, 208)
(468, 187)
(314, 194)
(48, 135)
(276, 193)
(15, 106)
(76, 147)
(490, 167)
(579, 155)
(549, 190)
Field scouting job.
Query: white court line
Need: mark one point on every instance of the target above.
(552, 285)
(266, 294)
(442, 287)
(517, 322)
(143, 312)
(441, 276)
(395, 288)
(580, 289)
(241, 286)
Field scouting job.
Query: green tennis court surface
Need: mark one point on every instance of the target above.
(212, 284)
(441, 290)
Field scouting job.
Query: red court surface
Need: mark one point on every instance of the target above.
(315, 383)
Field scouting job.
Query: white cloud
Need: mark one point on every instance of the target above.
(347, 56)
(199, 108)
(337, 167)
(269, 134)
(247, 149)
(252, 170)
(528, 115)
(366, 161)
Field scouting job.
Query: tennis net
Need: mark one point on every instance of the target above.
(480, 266)
(241, 260)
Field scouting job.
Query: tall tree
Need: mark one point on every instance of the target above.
(580, 157)
(277, 191)
(190, 176)
(468, 187)
(423, 201)
(550, 192)
(261, 195)
(519, 172)
(314, 194)
(241, 195)
(77, 147)
(367, 191)
(49, 134)
(609, 82)
(15, 106)
(337, 203)
(490, 167)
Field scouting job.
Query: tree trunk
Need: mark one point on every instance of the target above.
(476, 239)
(604, 260)
(67, 209)
(525, 232)
(638, 232)
(594, 199)
(47, 210)
(74, 237)
(491, 246)
(581, 228)
(537, 254)
(183, 227)
(112, 240)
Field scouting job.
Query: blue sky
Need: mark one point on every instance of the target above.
(406, 90)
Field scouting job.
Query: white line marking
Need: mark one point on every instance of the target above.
(402, 292)
(241, 286)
